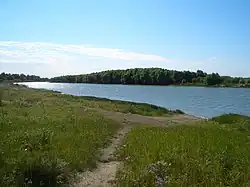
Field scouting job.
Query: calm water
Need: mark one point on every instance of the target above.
(205, 102)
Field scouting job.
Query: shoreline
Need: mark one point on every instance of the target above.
(98, 140)
(127, 101)
(115, 100)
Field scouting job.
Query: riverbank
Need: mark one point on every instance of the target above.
(216, 86)
(47, 136)
(51, 139)
(201, 102)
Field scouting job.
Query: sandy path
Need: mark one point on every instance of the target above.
(107, 165)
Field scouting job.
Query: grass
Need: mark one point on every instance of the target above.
(129, 107)
(45, 138)
(234, 122)
(212, 153)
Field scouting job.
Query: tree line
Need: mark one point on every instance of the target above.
(8, 77)
(154, 76)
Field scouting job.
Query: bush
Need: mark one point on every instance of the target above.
(230, 118)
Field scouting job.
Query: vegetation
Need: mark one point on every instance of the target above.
(7, 77)
(211, 153)
(45, 137)
(142, 76)
(127, 106)
(155, 76)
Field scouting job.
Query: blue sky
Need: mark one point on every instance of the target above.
(56, 37)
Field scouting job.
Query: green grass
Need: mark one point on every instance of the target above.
(45, 137)
(128, 107)
(230, 118)
(234, 122)
(208, 154)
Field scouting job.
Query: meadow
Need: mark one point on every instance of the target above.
(209, 153)
(46, 137)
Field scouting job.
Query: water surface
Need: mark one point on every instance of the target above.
(199, 101)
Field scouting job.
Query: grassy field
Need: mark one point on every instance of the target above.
(212, 153)
(45, 138)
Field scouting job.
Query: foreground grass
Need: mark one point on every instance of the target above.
(212, 153)
(45, 138)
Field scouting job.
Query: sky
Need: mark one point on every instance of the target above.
(58, 37)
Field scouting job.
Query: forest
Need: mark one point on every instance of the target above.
(8, 77)
(155, 76)
(139, 76)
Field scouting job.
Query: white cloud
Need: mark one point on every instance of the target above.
(50, 59)
(28, 52)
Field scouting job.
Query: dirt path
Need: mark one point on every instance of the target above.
(107, 165)
(148, 120)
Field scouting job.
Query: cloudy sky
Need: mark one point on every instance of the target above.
(51, 38)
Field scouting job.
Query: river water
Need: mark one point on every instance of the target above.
(199, 101)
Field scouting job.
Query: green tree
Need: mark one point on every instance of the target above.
(213, 79)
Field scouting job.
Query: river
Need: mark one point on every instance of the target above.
(198, 101)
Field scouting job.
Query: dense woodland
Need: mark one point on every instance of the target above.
(8, 77)
(155, 76)
(142, 76)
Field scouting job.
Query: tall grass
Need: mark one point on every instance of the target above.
(45, 138)
(1, 96)
(208, 154)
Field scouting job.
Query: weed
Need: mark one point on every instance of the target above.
(203, 155)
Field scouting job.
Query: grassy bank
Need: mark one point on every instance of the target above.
(212, 153)
(106, 104)
(45, 138)
(128, 107)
